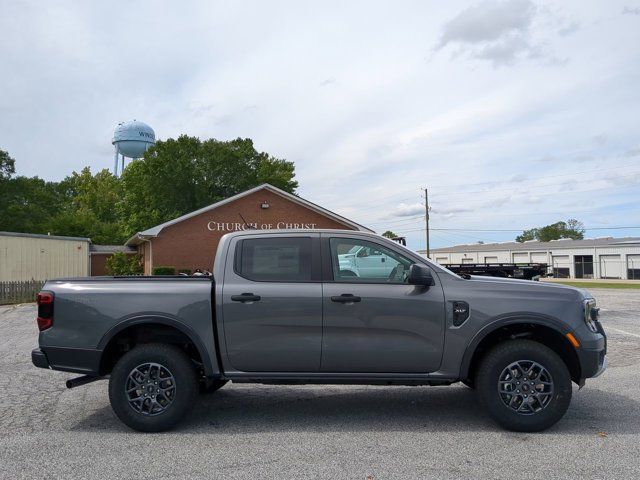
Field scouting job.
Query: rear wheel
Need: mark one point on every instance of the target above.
(524, 385)
(152, 387)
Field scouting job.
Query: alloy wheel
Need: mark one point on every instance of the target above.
(526, 387)
(150, 388)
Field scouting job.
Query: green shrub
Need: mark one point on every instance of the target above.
(122, 264)
(164, 270)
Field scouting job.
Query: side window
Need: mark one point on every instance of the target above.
(363, 261)
(275, 259)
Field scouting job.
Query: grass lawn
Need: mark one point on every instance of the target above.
(587, 285)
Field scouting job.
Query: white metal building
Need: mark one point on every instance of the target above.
(27, 256)
(590, 258)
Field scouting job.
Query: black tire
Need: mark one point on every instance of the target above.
(208, 386)
(537, 415)
(178, 400)
(468, 383)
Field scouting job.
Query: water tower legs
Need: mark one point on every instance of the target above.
(115, 163)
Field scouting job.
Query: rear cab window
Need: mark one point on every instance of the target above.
(276, 259)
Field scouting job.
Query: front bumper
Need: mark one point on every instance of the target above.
(593, 360)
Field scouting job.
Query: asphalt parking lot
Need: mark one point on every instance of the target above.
(262, 432)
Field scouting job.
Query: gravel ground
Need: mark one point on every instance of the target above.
(255, 431)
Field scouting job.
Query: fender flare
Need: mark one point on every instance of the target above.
(509, 319)
(158, 319)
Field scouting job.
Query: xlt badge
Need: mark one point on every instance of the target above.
(460, 313)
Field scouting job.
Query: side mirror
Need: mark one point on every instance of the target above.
(420, 275)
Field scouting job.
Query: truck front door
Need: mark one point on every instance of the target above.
(272, 303)
(376, 322)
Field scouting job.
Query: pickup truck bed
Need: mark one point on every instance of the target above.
(91, 312)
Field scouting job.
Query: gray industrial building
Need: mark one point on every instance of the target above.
(607, 257)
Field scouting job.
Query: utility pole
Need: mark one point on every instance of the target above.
(426, 209)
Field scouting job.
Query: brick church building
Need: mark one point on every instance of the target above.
(189, 242)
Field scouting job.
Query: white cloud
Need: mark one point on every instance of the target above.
(568, 29)
(632, 152)
(489, 21)
(494, 30)
(404, 210)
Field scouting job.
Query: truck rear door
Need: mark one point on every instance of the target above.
(272, 303)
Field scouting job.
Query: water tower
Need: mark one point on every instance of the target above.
(131, 139)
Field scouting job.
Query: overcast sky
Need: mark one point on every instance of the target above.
(513, 113)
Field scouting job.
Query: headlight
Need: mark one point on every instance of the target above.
(590, 314)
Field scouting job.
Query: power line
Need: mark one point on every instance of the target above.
(519, 187)
(567, 212)
(400, 220)
(520, 230)
(449, 187)
(564, 193)
(508, 230)
(543, 177)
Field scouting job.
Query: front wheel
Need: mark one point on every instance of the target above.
(152, 387)
(524, 385)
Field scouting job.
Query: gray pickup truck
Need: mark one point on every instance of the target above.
(282, 308)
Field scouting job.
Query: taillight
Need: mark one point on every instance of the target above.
(45, 310)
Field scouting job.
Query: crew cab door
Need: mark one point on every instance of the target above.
(377, 322)
(272, 303)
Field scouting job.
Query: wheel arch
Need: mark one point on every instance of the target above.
(167, 324)
(547, 330)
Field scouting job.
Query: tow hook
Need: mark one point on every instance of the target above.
(83, 380)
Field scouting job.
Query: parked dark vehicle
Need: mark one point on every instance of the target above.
(289, 307)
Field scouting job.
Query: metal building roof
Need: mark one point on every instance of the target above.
(111, 249)
(47, 237)
(535, 245)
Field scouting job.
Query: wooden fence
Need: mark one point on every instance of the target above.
(19, 292)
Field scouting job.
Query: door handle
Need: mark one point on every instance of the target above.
(245, 297)
(345, 298)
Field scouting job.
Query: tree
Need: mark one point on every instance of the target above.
(122, 264)
(7, 165)
(28, 204)
(177, 176)
(389, 234)
(90, 209)
(572, 228)
(81, 205)
(528, 235)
